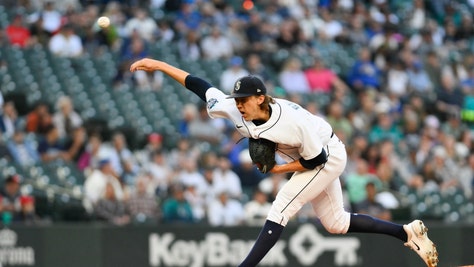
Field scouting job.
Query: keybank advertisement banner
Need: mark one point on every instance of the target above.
(95, 245)
(15, 252)
(301, 245)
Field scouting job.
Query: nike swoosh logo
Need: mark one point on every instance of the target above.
(417, 247)
(239, 126)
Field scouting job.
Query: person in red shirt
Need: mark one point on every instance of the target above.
(17, 33)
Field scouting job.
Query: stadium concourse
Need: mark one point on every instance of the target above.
(394, 78)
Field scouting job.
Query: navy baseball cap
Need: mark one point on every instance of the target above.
(248, 86)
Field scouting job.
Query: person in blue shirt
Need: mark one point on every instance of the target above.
(364, 73)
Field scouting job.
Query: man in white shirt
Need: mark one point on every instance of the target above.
(66, 43)
(224, 211)
(94, 186)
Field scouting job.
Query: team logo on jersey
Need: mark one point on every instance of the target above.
(237, 86)
(211, 103)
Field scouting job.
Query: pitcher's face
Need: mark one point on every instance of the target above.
(249, 106)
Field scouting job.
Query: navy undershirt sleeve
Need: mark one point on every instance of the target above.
(314, 162)
(197, 86)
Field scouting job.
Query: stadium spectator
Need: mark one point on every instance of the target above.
(433, 67)
(449, 98)
(357, 34)
(66, 43)
(154, 143)
(364, 73)
(142, 207)
(50, 147)
(17, 32)
(184, 151)
(189, 175)
(444, 168)
(417, 16)
(372, 157)
(308, 23)
(466, 176)
(355, 182)
(258, 38)
(66, 119)
(76, 144)
(232, 73)
(454, 70)
(385, 128)
(467, 84)
(189, 47)
(197, 198)
(424, 41)
(22, 150)
(330, 28)
(204, 129)
(397, 78)
(465, 30)
(419, 81)
(38, 120)
(225, 179)
(235, 32)
(49, 17)
(114, 11)
(371, 206)
(90, 157)
(142, 24)
(27, 215)
(225, 211)
(122, 159)
(188, 114)
(255, 67)
(293, 78)
(165, 31)
(249, 175)
(160, 173)
(96, 181)
(271, 184)
(111, 209)
(4, 153)
(290, 35)
(454, 127)
(133, 48)
(216, 45)
(11, 196)
(364, 115)
(385, 45)
(337, 118)
(9, 120)
(322, 79)
(187, 18)
(257, 208)
(176, 209)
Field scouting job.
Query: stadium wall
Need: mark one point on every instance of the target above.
(97, 245)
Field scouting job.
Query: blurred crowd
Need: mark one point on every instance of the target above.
(404, 106)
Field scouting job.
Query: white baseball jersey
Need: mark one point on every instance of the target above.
(297, 133)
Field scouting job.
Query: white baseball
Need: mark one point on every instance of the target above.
(103, 22)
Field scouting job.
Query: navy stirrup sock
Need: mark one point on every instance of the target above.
(267, 238)
(361, 223)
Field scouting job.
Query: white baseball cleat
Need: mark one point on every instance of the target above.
(419, 242)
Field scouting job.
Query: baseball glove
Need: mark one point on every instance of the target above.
(262, 152)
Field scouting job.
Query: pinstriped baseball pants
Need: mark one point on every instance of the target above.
(321, 187)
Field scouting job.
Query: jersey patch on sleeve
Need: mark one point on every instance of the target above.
(294, 105)
(211, 103)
